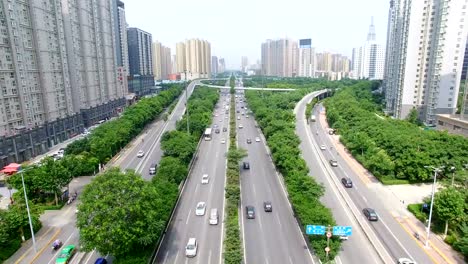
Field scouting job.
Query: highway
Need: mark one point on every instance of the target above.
(272, 237)
(185, 224)
(64, 220)
(388, 237)
(358, 248)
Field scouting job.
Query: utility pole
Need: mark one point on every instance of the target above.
(186, 103)
(329, 234)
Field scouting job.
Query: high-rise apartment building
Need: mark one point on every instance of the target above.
(214, 65)
(244, 63)
(324, 61)
(193, 58)
(369, 59)
(140, 52)
(465, 62)
(120, 30)
(58, 72)
(426, 41)
(278, 57)
(306, 59)
(161, 61)
(221, 65)
(121, 45)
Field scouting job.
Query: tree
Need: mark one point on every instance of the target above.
(449, 205)
(412, 116)
(120, 212)
(178, 144)
(172, 170)
(54, 177)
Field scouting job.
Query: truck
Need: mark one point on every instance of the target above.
(312, 118)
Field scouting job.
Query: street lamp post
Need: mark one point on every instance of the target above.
(29, 213)
(186, 102)
(436, 170)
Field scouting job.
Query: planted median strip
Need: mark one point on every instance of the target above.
(233, 253)
(274, 114)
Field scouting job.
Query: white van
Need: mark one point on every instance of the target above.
(214, 216)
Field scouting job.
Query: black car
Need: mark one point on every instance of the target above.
(224, 129)
(347, 182)
(217, 131)
(370, 214)
(267, 206)
(250, 210)
(249, 141)
(246, 165)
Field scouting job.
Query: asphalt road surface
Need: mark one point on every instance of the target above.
(211, 160)
(272, 237)
(393, 241)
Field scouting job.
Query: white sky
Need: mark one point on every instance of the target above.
(238, 27)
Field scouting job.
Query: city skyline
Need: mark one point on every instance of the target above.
(222, 28)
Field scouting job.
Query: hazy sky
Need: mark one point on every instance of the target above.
(237, 28)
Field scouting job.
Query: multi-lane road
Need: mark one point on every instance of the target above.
(272, 237)
(384, 240)
(210, 159)
(64, 222)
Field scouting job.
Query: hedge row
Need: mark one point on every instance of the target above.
(233, 253)
(274, 113)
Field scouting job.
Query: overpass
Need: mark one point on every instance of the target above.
(251, 88)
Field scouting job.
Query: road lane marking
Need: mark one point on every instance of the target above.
(418, 242)
(90, 255)
(209, 257)
(279, 221)
(43, 248)
(165, 257)
(364, 198)
(58, 251)
(188, 217)
(396, 239)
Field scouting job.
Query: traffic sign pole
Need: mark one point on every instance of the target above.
(327, 249)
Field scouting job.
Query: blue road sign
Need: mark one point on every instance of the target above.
(342, 231)
(315, 230)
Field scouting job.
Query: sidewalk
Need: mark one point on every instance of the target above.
(398, 198)
(54, 224)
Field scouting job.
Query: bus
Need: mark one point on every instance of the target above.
(208, 134)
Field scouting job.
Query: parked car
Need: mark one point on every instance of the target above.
(333, 163)
(347, 182)
(267, 206)
(370, 214)
(246, 165)
(250, 210)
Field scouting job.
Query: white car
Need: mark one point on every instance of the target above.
(247, 116)
(223, 141)
(205, 179)
(323, 147)
(241, 126)
(140, 154)
(201, 206)
(191, 248)
(238, 118)
(405, 261)
(257, 139)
